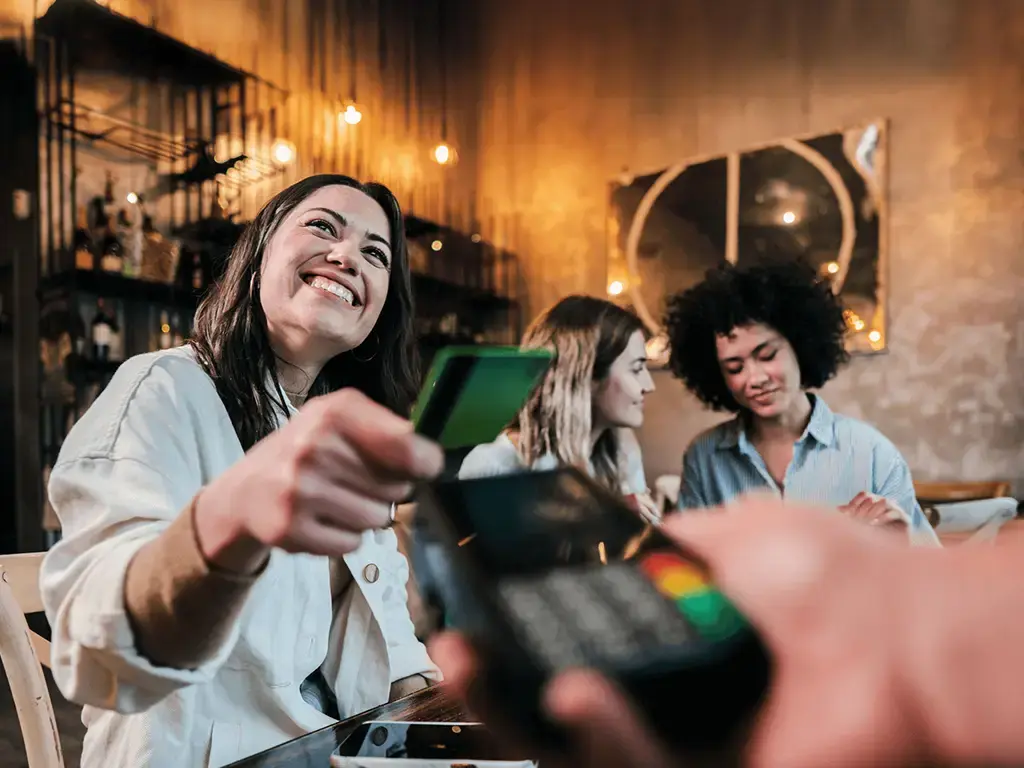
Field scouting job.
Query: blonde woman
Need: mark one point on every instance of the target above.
(584, 410)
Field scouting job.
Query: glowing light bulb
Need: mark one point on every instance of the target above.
(442, 153)
(615, 287)
(874, 337)
(789, 217)
(437, 245)
(832, 268)
(351, 115)
(132, 198)
(283, 151)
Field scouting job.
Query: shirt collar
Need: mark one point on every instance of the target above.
(821, 427)
(279, 397)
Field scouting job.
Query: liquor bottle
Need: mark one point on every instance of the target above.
(85, 256)
(132, 239)
(116, 336)
(177, 337)
(165, 330)
(108, 196)
(112, 258)
(198, 277)
(102, 329)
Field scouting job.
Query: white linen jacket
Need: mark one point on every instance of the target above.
(153, 438)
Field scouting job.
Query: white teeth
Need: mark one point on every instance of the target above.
(330, 286)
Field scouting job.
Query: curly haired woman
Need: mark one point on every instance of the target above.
(753, 341)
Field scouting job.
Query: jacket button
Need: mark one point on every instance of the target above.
(371, 573)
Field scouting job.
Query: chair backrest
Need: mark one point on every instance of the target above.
(974, 521)
(944, 493)
(21, 651)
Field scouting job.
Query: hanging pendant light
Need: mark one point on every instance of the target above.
(443, 153)
(351, 114)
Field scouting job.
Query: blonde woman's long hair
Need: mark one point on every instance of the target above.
(586, 334)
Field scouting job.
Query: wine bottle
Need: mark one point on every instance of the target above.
(198, 278)
(165, 330)
(116, 352)
(85, 255)
(177, 337)
(108, 196)
(131, 237)
(112, 258)
(102, 329)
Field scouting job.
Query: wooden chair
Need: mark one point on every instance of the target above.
(945, 503)
(945, 493)
(23, 653)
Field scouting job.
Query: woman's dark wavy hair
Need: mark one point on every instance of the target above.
(233, 346)
(787, 296)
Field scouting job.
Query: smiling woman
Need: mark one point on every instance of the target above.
(228, 578)
(267, 315)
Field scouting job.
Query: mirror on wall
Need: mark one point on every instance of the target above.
(819, 198)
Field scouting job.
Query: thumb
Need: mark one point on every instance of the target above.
(381, 437)
(606, 729)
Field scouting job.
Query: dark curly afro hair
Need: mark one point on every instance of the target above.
(787, 296)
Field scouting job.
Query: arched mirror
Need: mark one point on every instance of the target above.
(820, 198)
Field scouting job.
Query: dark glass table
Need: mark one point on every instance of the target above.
(314, 749)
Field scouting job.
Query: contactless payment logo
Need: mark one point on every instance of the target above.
(707, 609)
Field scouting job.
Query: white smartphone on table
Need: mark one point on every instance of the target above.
(422, 745)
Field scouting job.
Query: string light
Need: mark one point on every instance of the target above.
(832, 268)
(615, 287)
(132, 198)
(789, 217)
(437, 245)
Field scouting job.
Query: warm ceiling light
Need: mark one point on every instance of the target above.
(615, 287)
(437, 245)
(132, 198)
(832, 268)
(351, 115)
(443, 154)
(283, 152)
(789, 217)
(874, 337)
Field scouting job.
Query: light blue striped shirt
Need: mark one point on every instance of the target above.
(835, 459)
